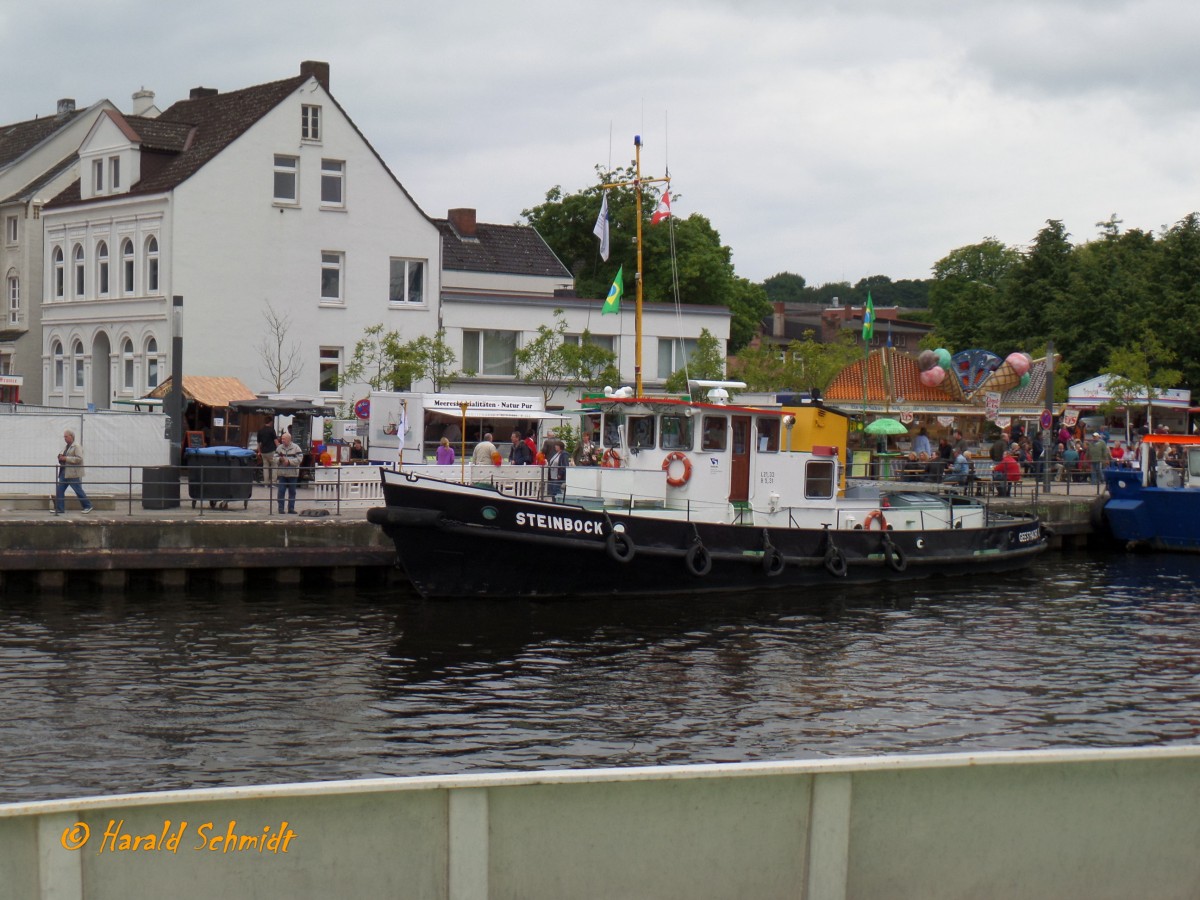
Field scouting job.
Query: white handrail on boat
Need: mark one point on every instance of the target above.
(1043, 823)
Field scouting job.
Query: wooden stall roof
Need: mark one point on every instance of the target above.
(207, 390)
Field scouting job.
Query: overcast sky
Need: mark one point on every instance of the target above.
(835, 140)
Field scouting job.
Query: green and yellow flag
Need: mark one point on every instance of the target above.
(868, 319)
(612, 303)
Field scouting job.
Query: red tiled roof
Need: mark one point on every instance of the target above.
(905, 380)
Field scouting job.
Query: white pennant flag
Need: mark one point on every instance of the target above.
(601, 229)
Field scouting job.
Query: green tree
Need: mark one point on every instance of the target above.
(1035, 287)
(374, 361)
(707, 362)
(801, 366)
(541, 361)
(786, 287)
(588, 364)
(967, 286)
(1140, 370)
(431, 358)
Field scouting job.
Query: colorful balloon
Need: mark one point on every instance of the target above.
(943, 357)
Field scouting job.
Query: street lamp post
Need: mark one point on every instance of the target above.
(1048, 431)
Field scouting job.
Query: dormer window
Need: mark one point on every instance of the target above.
(97, 176)
(114, 173)
(310, 123)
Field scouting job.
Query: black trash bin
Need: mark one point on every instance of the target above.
(160, 487)
(217, 475)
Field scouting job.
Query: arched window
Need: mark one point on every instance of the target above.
(151, 364)
(127, 365)
(127, 267)
(59, 275)
(152, 265)
(77, 363)
(14, 298)
(56, 352)
(102, 269)
(79, 271)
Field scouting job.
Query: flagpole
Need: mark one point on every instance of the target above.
(637, 183)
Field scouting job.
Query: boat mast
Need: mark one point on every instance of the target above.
(637, 183)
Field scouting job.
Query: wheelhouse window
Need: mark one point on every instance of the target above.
(768, 435)
(127, 365)
(59, 274)
(79, 270)
(331, 276)
(286, 169)
(310, 123)
(102, 269)
(677, 433)
(330, 369)
(77, 364)
(127, 266)
(407, 281)
(641, 432)
(818, 479)
(714, 433)
(490, 353)
(333, 175)
(56, 353)
(152, 363)
(152, 265)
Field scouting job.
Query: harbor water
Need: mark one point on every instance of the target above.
(112, 693)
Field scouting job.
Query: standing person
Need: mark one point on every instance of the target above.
(520, 454)
(358, 452)
(556, 471)
(921, 443)
(484, 451)
(445, 453)
(70, 475)
(960, 444)
(288, 459)
(1098, 457)
(268, 440)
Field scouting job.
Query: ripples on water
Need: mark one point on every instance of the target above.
(108, 694)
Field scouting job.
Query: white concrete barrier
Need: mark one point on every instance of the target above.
(1053, 824)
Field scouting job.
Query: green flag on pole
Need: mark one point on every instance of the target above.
(868, 319)
(612, 303)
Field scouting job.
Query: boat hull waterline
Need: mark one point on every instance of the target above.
(465, 541)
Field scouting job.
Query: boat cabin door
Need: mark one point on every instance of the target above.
(739, 465)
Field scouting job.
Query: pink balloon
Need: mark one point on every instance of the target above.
(1019, 361)
(933, 377)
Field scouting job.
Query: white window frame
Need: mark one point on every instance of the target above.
(152, 265)
(128, 268)
(333, 266)
(401, 272)
(475, 355)
(14, 300)
(153, 363)
(97, 176)
(333, 175)
(606, 342)
(114, 173)
(103, 285)
(329, 365)
(681, 351)
(310, 123)
(59, 275)
(59, 364)
(77, 365)
(287, 168)
(10, 230)
(127, 369)
(79, 272)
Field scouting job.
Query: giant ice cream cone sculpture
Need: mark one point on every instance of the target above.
(1003, 379)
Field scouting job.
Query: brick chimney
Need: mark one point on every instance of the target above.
(462, 221)
(779, 322)
(199, 93)
(66, 106)
(318, 70)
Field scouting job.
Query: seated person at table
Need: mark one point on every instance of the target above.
(961, 470)
(1005, 472)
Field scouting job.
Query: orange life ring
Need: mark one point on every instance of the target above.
(687, 469)
(611, 459)
(875, 516)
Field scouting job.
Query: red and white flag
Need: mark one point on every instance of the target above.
(663, 210)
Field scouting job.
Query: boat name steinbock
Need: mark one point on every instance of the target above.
(1026, 537)
(559, 523)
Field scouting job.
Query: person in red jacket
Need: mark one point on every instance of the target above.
(1007, 471)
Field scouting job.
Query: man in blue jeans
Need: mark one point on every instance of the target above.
(70, 475)
(288, 458)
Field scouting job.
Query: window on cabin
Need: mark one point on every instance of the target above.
(677, 433)
(641, 432)
(768, 435)
(818, 479)
(715, 433)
